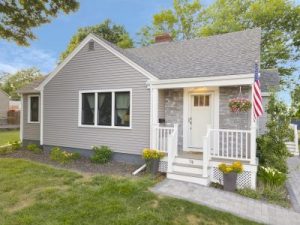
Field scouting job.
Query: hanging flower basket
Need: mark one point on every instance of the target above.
(239, 104)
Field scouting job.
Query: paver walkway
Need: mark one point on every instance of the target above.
(225, 201)
(293, 183)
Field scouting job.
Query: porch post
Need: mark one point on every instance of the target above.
(253, 131)
(153, 114)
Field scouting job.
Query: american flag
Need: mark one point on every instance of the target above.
(258, 108)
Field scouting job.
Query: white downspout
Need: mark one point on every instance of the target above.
(42, 117)
(21, 119)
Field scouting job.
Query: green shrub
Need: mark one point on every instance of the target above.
(271, 176)
(250, 193)
(101, 154)
(10, 147)
(57, 154)
(15, 145)
(276, 195)
(34, 148)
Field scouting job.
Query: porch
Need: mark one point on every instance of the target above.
(197, 131)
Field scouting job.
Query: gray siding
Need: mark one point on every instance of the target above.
(4, 104)
(161, 104)
(31, 131)
(231, 120)
(95, 70)
(263, 119)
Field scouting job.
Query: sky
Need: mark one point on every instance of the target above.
(53, 38)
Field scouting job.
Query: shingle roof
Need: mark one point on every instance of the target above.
(269, 80)
(219, 55)
(30, 88)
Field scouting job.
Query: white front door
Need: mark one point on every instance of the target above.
(199, 120)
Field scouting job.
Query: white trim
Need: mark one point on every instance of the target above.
(41, 114)
(113, 126)
(214, 92)
(209, 81)
(107, 47)
(21, 119)
(29, 107)
(153, 113)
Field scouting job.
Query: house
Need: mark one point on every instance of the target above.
(172, 96)
(4, 105)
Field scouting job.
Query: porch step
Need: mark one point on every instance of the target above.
(188, 177)
(188, 161)
(187, 168)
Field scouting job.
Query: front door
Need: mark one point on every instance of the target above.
(199, 120)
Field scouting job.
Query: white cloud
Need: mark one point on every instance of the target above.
(14, 58)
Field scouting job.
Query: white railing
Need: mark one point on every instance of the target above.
(206, 153)
(231, 144)
(172, 147)
(161, 135)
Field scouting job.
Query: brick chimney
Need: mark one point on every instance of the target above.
(165, 37)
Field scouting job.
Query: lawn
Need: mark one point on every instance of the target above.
(6, 136)
(32, 193)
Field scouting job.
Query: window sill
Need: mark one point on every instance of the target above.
(33, 122)
(106, 127)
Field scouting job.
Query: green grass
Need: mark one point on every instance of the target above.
(32, 193)
(6, 136)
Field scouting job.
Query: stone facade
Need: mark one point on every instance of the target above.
(228, 119)
(174, 111)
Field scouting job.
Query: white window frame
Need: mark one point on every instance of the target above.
(29, 109)
(112, 91)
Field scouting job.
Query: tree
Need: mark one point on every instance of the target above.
(271, 146)
(17, 18)
(11, 83)
(278, 19)
(181, 22)
(111, 32)
(295, 95)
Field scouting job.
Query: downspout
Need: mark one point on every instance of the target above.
(42, 117)
(21, 119)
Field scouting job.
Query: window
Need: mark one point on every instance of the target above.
(112, 108)
(104, 108)
(201, 100)
(122, 108)
(88, 108)
(33, 109)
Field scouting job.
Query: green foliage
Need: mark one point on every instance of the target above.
(32, 193)
(101, 154)
(295, 95)
(272, 177)
(109, 31)
(34, 148)
(181, 22)
(57, 154)
(272, 150)
(249, 193)
(18, 18)
(278, 19)
(10, 147)
(11, 83)
(9, 136)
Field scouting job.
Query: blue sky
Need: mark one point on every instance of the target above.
(53, 38)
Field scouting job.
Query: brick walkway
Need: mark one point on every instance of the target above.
(225, 201)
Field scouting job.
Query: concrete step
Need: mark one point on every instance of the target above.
(187, 168)
(189, 161)
(193, 178)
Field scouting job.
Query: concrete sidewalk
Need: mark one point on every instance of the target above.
(293, 183)
(229, 202)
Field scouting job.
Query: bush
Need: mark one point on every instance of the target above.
(57, 154)
(101, 154)
(34, 148)
(15, 145)
(271, 176)
(249, 193)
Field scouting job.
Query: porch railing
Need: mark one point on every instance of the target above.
(231, 144)
(165, 139)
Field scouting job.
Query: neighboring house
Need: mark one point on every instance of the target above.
(4, 105)
(15, 105)
(172, 96)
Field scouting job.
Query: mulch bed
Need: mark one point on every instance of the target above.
(81, 165)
